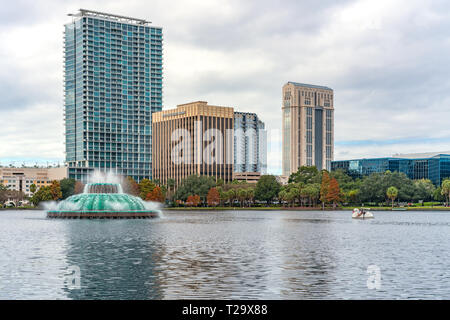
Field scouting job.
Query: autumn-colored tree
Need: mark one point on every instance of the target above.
(156, 195)
(334, 194)
(79, 187)
(213, 197)
(324, 188)
(146, 186)
(193, 201)
(130, 186)
(55, 189)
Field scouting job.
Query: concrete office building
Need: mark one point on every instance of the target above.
(20, 179)
(307, 127)
(183, 138)
(113, 83)
(250, 144)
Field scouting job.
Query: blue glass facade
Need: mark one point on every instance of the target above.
(435, 168)
(250, 141)
(113, 83)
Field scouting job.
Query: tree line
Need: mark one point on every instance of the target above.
(308, 187)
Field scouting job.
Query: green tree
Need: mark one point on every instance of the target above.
(346, 183)
(353, 195)
(267, 188)
(195, 185)
(33, 188)
(423, 190)
(311, 192)
(373, 187)
(392, 193)
(219, 182)
(437, 195)
(305, 175)
(145, 187)
(43, 194)
(3, 194)
(67, 187)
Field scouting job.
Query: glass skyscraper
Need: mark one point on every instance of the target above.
(250, 141)
(433, 166)
(113, 83)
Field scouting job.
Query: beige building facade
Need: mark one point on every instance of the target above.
(193, 139)
(250, 177)
(307, 127)
(20, 179)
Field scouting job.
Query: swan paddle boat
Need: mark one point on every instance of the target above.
(362, 214)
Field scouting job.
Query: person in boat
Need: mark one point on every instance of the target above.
(362, 212)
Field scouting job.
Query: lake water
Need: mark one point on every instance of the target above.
(227, 255)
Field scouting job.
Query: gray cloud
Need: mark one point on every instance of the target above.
(387, 61)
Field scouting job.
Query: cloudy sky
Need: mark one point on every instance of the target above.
(388, 62)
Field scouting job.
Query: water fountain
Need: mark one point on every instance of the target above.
(104, 201)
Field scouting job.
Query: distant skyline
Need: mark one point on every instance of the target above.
(387, 62)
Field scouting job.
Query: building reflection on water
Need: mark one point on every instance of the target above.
(197, 256)
(117, 259)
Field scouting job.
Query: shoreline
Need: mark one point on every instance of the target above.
(299, 209)
(271, 209)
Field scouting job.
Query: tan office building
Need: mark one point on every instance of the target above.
(307, 127)
(195, 138)
(20, 179)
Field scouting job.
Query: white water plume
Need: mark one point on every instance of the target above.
(49, 205)
(116, 206)
(98, 176)
(68, 206)
(153, 206)
(104, 177)
(60, 206)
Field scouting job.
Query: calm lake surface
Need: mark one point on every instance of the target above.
(226, 255)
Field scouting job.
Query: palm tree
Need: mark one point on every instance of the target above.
(282, 195)
(392, 193)
(250, 195)
(231, 195)
(242, 195)
(446, 189)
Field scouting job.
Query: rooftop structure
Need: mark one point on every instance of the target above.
(109, 16)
